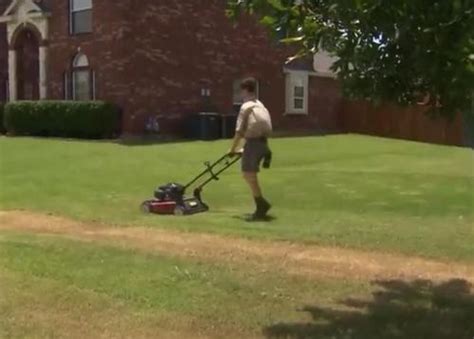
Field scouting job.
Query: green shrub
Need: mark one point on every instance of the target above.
(2, 126)
(75, 119)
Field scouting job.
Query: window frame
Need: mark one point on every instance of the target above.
(292, 78)
(72, 13)
(70, 79)
(75, 71)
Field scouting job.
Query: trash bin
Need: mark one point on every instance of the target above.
(205, 126)
(229, 122)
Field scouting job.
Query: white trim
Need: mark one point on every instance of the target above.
(311, 73)
(5, 18)
(15, 3)
(12, 75)
(43, 72)
(80, 60)
(294, 78)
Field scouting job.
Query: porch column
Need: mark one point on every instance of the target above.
(43, 73)
(12, 60)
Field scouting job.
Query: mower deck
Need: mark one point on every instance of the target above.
(170, 199)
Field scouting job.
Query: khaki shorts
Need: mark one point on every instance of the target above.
(254, 152)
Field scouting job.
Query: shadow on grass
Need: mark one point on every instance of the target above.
(249, 218)
(399, 309)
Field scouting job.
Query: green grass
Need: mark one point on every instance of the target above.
(159, 284)
(347, 190)
(53, 287)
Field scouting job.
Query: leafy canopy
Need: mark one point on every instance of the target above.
(395, 50)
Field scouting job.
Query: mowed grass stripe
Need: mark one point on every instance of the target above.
(346, 190)
(218, 300)
(217, 294)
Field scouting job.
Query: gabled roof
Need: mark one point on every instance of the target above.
(301, 64)
(31, 5)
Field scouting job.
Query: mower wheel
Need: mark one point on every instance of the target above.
(179, 211)
(145, 207)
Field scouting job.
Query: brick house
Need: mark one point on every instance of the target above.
(156, 58)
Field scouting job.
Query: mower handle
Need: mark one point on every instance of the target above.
(230, 160)
(210, 168)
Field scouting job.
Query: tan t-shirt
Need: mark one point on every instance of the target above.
(254, 120)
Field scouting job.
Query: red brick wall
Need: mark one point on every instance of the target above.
(107, 49)
(409, 123)
(183, 46)
(154, 57)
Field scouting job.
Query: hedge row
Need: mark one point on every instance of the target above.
(75, 119)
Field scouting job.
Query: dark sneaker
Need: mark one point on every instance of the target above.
(263, 207)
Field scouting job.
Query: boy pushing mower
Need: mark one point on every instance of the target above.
(254, 125)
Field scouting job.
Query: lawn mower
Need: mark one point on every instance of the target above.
(170, 198)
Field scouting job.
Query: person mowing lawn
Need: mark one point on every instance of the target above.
(254, 124)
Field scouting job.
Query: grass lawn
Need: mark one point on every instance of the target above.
(347, 190)
(399, 198)
(53, 287)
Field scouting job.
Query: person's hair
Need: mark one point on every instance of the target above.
(249, 84)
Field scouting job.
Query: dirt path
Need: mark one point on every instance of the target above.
(298, 259)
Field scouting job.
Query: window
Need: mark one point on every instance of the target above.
(82, 82)
(237, 100)
(297, 92)
(80, 17)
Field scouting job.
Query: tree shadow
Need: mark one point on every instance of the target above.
(398, 309)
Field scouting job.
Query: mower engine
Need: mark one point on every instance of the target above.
(170, 198)
(170, 191)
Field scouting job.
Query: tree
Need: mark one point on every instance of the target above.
(387, 50)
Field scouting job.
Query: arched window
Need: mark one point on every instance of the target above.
(83, 79)
(80, 61)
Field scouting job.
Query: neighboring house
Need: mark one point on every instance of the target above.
(157, 58)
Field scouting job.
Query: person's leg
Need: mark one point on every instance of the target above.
(251, 159)
(252, 180)
(262, 206)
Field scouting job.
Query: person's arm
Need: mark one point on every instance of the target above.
(242, 122)
(235, 148)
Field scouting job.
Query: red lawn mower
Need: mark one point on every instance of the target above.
(170, 198)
